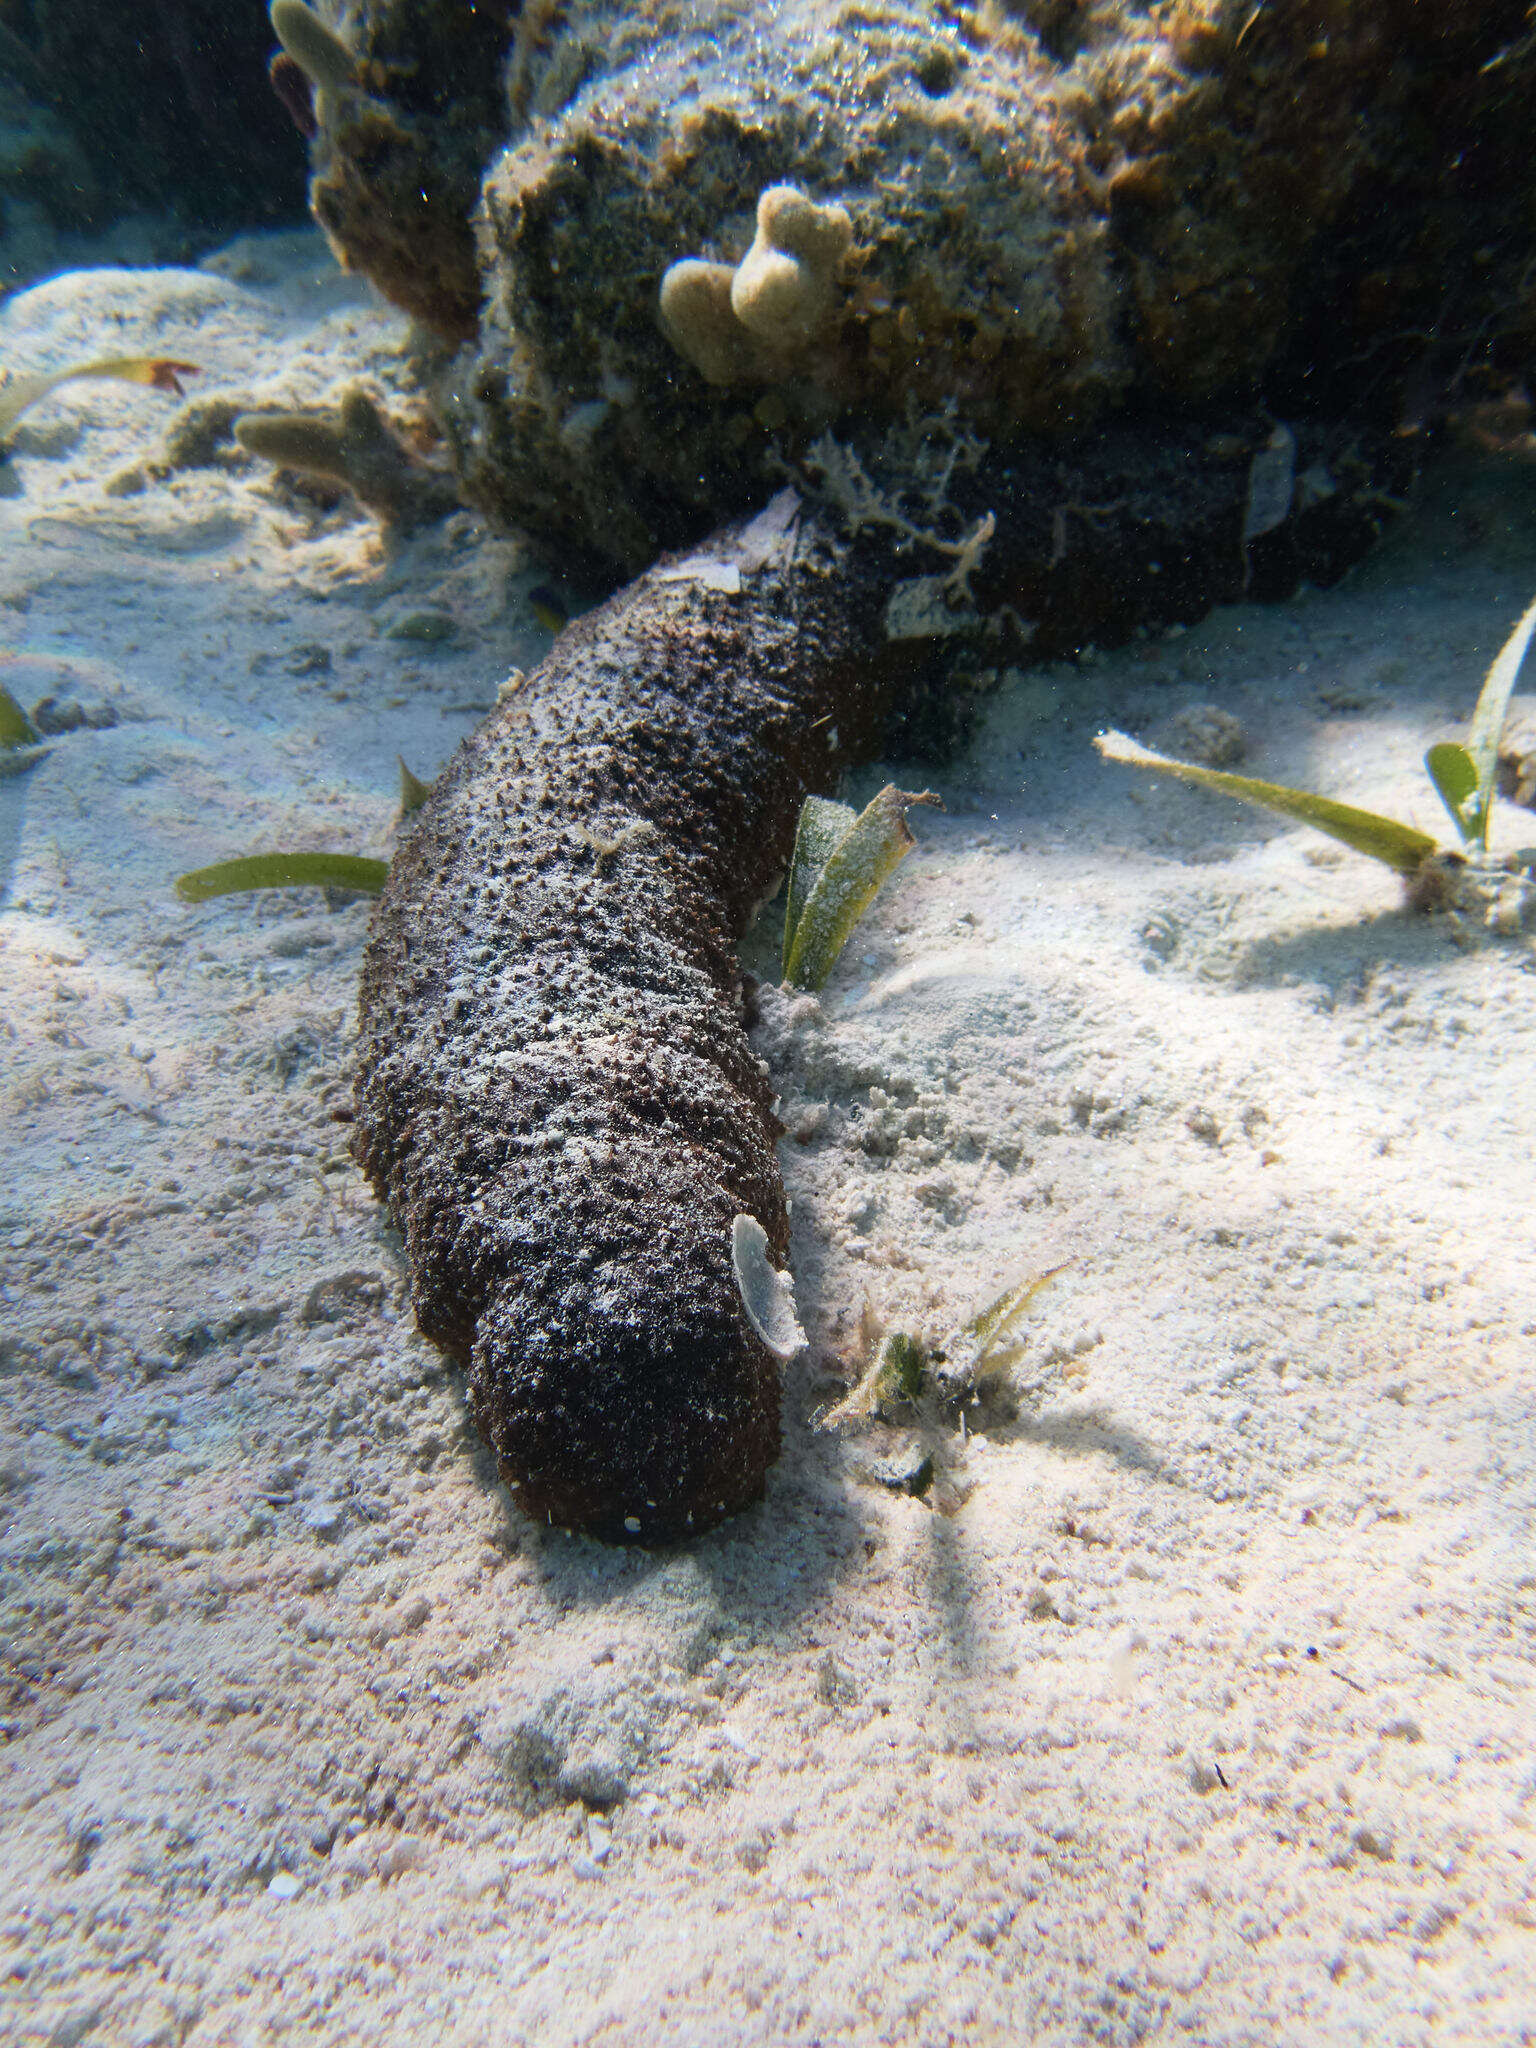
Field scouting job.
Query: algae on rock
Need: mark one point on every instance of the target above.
(1053, 212)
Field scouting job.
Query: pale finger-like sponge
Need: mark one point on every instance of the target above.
(784, 286)
(353, 447)
(325, 60)
(698, 320)
(755, 323)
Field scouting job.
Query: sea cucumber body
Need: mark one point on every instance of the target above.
(556, 1094)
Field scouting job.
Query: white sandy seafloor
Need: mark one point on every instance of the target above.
(1194, 1701)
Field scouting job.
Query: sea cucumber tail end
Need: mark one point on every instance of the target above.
(640, 1407)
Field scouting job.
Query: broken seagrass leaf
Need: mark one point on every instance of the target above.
(16, 729)
(413, 791)
(1401, 847)
(1454, 773)
(840, 861)
(20, 394)
(988, 1343)
(19, 737)
(283, 871)
(822, 824)
(1488, 722)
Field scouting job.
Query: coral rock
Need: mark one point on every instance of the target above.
(1036, 211)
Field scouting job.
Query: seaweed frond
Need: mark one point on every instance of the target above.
(1402, 847)
(990, 1343)
(16, 729)
(896, 1365)
(1464, 776)
(20, 394)
(897, 1368)
(284, 871)
(413, 791)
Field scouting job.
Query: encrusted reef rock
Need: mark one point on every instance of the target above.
(407, 106)
(672, 241)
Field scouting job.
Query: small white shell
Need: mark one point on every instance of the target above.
(767, 1295)
(1271, 485)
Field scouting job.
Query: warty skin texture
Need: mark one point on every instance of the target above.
(557, 1095)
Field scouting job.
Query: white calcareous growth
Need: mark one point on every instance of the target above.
(750, 323)
(767, 1295)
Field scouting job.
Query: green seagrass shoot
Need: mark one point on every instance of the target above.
(16, 729)
(1463, 775)
(841, 859)
(301, 870)
(283, 871)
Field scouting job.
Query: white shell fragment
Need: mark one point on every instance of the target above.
(767, 1295)
(1271, 485)
(771, 533)
(706, 571)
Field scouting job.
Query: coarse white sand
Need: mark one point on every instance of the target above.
(1194, 1700)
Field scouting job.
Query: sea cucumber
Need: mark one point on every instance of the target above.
(556, 1091)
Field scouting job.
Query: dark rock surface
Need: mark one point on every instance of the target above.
(163, 107)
